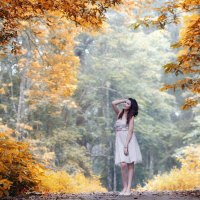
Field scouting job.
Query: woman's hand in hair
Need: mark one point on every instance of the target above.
(119, 101)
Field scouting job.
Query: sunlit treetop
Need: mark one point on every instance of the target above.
(87, 13)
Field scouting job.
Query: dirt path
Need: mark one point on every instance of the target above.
(166, 195)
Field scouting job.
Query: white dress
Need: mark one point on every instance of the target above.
(134, 153)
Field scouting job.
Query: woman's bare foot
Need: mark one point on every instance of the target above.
(123, 191)
(127, 192)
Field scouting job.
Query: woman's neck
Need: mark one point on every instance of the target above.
(126, 112)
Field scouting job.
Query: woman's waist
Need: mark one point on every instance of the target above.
(125, 130)
(121, 129)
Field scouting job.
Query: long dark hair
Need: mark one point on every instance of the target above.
(133, 110)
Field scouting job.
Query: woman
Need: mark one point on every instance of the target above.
(127, 150)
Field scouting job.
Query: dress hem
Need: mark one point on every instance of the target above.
(135, 162)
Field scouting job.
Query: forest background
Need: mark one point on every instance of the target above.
(58, 79)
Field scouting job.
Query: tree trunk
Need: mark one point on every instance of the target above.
(109, 174)
(115, 177)
(151, 164)
(21, 104)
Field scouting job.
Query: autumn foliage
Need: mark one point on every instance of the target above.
(18, 169)
(85, 13)
(188, 59)
(20, 172)
(60, 181)
(52, 70)
(48, 29)
(185, 178)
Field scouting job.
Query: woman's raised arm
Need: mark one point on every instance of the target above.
(115, 103)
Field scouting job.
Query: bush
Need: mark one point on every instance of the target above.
(21, 173)
(185, 178)
(18, 168)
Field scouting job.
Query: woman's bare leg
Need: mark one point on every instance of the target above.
(124, 175)
(130, 175)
